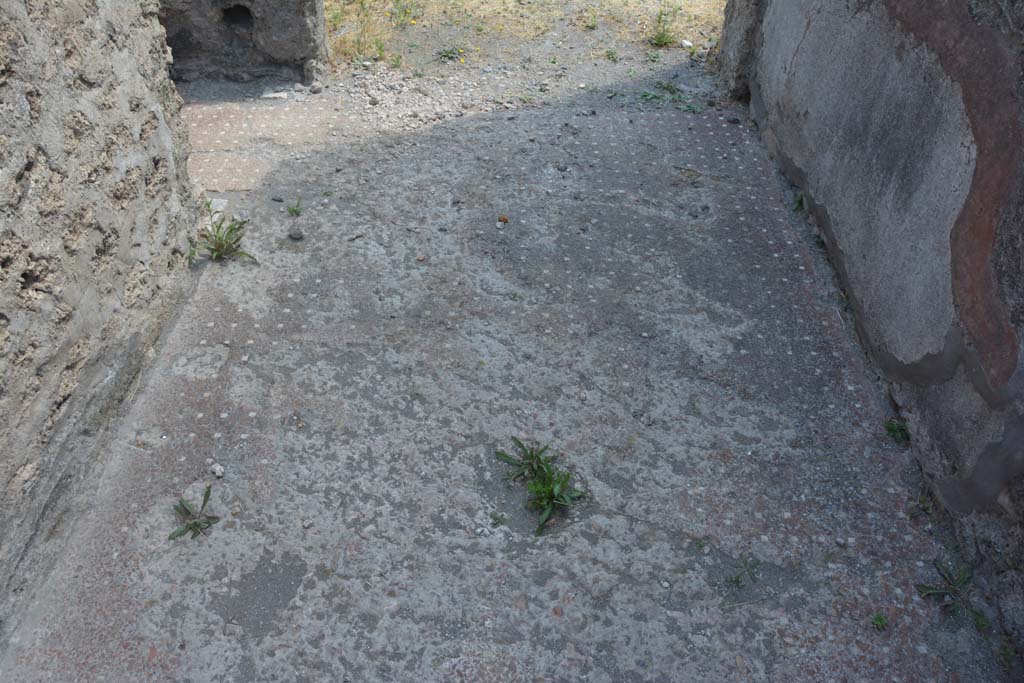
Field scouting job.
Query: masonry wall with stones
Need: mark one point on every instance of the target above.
(95, 206)
(244, 39)
(902, 123)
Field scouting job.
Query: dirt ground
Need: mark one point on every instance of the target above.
(402, 32)
(566, 236)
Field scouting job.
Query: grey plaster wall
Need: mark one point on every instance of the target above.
(244, 39)
(901, 123)
(95, 205)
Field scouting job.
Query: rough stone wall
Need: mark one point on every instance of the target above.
(243, 39)
(902, 121)
(94, 208)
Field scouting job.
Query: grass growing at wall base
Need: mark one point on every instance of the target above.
(220, 240)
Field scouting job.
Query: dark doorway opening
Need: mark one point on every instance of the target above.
(238, 17)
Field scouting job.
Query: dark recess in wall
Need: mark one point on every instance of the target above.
(244, 40)
(239, 17)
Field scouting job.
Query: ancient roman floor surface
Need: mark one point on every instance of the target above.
(609, 265)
